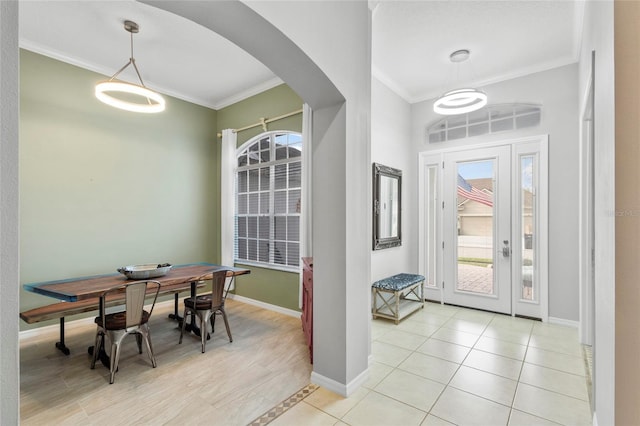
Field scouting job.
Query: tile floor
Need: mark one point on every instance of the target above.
(447, 365)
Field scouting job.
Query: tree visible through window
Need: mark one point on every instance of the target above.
(268, 194)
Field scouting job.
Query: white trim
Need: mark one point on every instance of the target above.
(70, 325)
(265, 305)
(595, 419)
(344, 390)
(424, 159)
(585, 219)
(229, 100)
(565, 322)
(82, 322)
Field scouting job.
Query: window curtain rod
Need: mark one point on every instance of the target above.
(264, 121)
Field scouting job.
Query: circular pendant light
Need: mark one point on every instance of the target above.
(134, 97)
(154, 102)
(460, 101)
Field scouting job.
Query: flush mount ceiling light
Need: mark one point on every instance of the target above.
(144, 100)
(460, 101)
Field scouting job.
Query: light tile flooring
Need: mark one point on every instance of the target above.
(447, 365)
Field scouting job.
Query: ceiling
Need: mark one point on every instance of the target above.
(411, 43)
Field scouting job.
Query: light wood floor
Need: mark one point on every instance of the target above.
(230, 384)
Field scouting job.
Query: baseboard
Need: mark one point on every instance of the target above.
(565, 322)
(83, 322)
(344, 390)
(595, 419)
(69, 325)
(264, 305)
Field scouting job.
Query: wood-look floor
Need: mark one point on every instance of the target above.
(230, 384)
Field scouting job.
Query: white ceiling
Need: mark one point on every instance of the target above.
(412, 41)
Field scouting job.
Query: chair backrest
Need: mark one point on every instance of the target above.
(135, 295)
(217, 287)
(218, 280)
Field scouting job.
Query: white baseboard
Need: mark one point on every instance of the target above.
(69, 325)
(595, 419)
(340, 388)
(565, 322)
(264, 305)
(83, 322)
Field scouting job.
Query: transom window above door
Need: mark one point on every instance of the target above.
(491, 119)
(268, 198)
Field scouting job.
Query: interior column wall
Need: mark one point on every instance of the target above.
(598, 37)
(308, 45)
(9, 226)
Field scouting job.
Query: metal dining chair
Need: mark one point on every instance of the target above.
(133, 320)
(206, 307)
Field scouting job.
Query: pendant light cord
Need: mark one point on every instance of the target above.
(132, 61)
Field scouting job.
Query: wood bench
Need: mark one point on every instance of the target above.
(399, 296)
(62, 309)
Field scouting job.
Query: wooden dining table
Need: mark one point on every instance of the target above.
(179, 278)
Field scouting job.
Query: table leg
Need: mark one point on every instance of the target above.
(60, 345)
(175, 315)
(102, 355)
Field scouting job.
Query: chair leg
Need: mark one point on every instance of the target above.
(226, 324)
(116, 342)
(184, 323)
(139, 342)
(96, 348)
(145, 333)
(204, 330)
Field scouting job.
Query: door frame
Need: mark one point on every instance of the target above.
(586, 246)
(427, 158)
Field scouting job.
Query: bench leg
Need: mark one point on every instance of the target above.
(60, 345)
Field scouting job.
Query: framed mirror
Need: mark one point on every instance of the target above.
(387, 207)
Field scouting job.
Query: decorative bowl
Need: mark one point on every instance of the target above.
(147, 270)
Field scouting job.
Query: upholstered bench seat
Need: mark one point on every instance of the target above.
(397, 296)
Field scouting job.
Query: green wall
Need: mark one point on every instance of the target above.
(102, 188)
(266, 285)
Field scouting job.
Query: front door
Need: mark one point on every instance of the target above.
(492, 221)
(477, 229)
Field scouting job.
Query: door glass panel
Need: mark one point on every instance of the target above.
(528, 232)
(432, 237)
(475, 223)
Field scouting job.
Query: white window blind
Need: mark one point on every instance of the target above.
(268, 196)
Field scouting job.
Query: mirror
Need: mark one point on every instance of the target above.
(387, 191)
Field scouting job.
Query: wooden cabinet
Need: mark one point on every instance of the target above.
(307, 302)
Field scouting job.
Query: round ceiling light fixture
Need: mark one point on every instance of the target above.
(137, 98)
(460, 101)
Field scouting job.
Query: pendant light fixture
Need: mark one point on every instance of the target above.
(146, 100)
(460, 101)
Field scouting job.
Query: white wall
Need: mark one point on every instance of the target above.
(391, 145)
(321, 38)
(598, 36)
(556, 91)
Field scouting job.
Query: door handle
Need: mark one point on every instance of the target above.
(506, 250)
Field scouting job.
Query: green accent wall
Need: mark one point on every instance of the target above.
(267, 285)
(102, 188)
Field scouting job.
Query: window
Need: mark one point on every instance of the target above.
(492, 119)
(268, 196)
